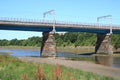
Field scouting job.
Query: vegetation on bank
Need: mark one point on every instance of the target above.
(68, 39)
(13, 69)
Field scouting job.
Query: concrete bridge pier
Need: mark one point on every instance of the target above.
(103, 44)
(48, 48)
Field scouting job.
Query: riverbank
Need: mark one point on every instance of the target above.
(34, 58)
(23, 67)
(5, 53)
(82, 65)
(67, 49)
(77, 50)
(20, 47)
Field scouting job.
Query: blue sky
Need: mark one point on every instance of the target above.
(85, 11)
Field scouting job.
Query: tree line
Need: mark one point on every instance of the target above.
(68, 39)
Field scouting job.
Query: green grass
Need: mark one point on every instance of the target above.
(13, 69)
(20, 47)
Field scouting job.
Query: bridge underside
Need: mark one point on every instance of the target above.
(58, 29)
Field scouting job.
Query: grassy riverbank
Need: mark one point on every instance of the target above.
(13, 69)
(20, 47)
(77, 50)
(69, 49)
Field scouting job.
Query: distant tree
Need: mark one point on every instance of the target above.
(34, 41)
(59, 42)
(14, 42)
(24, 42)
(72, 37)
(4, 42)
(68, 39)
(116, 40)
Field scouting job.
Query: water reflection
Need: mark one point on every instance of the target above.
(106, 60)
(116, 62)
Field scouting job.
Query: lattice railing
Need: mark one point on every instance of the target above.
(58, 23)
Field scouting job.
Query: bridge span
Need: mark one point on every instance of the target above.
(103, 44)
(60, 26)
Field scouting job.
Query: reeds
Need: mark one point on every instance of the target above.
(56, 74)
(41, 75)
(24, 77)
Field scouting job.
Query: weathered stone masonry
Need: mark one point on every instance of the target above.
(103, 44)
(48, 48)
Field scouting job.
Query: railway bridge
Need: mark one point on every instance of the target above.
(48, 48)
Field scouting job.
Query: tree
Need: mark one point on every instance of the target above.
(68, 39)
(34, 41)
(14, 42)
(4, 42)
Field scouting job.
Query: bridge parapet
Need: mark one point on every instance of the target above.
(59, 24)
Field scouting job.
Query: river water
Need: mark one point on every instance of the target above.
(104, 60)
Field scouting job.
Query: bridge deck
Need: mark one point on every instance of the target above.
(59, 26)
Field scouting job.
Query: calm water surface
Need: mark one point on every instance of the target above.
(105, 60)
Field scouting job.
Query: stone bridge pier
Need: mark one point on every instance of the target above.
(48, 48)
(103, 44)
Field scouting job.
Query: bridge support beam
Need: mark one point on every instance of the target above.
(103, 44)
(48, 48)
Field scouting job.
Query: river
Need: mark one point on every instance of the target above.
(111, 61)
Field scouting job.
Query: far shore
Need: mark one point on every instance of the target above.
(67, 49)
(5, 53)
(20, 47)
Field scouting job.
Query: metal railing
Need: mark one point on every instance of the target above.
(58, 23)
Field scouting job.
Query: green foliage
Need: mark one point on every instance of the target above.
(13, 69)
(32, 41)
(15, 42)
(7, 59)
(68, 39)
(83, 39)
(116, 40)
(4, 42)
(76, 39)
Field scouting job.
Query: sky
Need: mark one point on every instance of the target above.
(85, 11)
